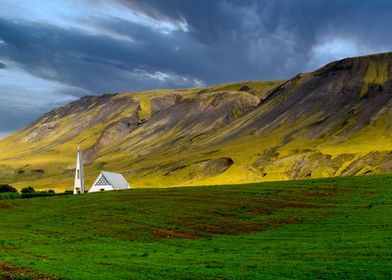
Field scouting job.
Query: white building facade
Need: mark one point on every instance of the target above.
(109, 181)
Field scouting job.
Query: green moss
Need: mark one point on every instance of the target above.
(258, 88)
(145, 106)
(377, 73)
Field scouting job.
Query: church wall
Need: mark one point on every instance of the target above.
(99, 188)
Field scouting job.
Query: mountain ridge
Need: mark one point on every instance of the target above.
(316, 124)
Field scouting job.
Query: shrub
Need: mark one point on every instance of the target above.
(28, 190)
(9, 195)
(5, 188)
(37, 194)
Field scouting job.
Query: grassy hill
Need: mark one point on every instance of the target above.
(338, 228)
(334, 121)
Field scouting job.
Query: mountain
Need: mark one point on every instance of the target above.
(335, 121)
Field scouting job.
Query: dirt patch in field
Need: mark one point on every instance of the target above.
(223, 227)
(9, 203)
(335, 189)
(237, 227)
(242, 215)
(10, 272)
(168, 233)
(235, 220)
(275, 204)
(311, 193)
(4, 205)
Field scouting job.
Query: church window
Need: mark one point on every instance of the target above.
(102, 181)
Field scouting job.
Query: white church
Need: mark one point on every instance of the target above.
(106, 181)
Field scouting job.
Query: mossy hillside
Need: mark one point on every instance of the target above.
(54, 161)
(313, 125)
(259, 88)
(150, 157)
(376, 74)
(243, 151)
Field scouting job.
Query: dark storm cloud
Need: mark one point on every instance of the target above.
(98, 63)
(227, 40)
(257, 26)
(211, 19)
(18, 120)
(2, 66)
(211, 42)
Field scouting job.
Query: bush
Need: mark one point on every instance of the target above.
(5, 188)
(37, 194)
(28, 190)
(9, 195)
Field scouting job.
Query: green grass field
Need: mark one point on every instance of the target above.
(339, 228)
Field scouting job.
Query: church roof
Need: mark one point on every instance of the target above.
(116, 180)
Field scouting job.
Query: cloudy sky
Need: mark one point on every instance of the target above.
(52, 52)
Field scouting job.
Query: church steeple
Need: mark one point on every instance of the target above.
(79, 174)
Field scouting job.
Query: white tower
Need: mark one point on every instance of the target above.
(79, 174)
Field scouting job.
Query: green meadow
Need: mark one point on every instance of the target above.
(337, 228)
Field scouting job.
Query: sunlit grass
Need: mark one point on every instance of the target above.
(315, 229)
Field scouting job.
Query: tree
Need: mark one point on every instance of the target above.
(5, 188)
(28, 190)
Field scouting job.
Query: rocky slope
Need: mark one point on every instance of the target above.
(331, 122)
